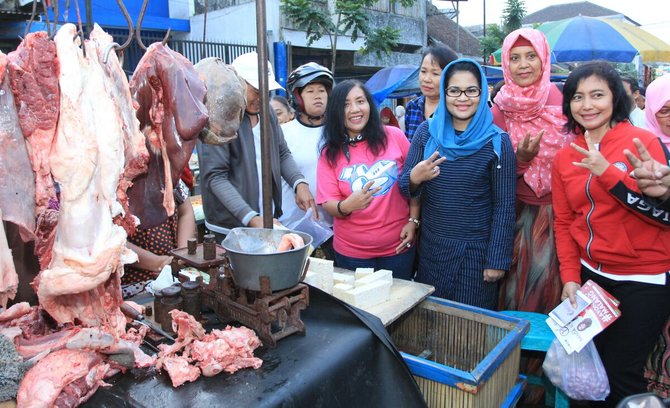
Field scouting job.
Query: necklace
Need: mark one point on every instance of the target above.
(353, 140)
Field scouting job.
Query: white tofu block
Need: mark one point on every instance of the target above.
(381, 275)
(324, 269)
(343, 278)
(368, 295)
(320, 265)
(363, 272)
(340, 289)
(313, 279)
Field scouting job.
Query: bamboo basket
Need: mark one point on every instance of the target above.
(460, 355)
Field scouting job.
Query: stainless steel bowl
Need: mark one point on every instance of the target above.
(252, 253)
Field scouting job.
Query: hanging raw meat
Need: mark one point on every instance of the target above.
(171, 110)
(17, 182)
(134, 142)
(226, 100)
(33, 71)
(82, 284)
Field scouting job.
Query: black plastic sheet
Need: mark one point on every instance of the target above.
(344, 360)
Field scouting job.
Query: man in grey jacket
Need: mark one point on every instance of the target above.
(230, 174)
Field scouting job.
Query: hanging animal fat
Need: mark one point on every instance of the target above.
(82, 283)
(134, 143)
(170, 98)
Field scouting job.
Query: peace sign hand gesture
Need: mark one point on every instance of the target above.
(593, 160)
(426, 170)
(653, 178)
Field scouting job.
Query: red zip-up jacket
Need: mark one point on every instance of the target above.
(605, 220)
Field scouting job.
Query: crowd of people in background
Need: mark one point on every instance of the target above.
(507, 197)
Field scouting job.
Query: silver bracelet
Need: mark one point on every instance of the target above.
(415, 220)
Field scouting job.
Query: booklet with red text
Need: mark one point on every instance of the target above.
(601, 311)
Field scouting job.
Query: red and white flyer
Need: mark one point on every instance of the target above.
(600, 313)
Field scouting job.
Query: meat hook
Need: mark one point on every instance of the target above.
(46, 17)
(138, 28)
(81, 29)
(55, 9)
(33, 13)
(116, 46)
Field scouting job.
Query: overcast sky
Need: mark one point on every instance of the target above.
(642, 11)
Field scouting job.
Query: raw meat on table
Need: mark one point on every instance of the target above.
(63, 378)
(194, 351)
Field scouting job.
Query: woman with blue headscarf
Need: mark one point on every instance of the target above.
(463, 168)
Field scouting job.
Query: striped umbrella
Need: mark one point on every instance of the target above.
(592, 38)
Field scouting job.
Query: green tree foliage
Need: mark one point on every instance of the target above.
(493, 40)
(348, 17)
(513, 15)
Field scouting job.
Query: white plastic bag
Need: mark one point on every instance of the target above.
(319, 230)
(581, 375)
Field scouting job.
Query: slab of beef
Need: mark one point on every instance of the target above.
(82, 283)
(226, 100)
(17, 182)
(171, 111)
(135, 149)
(64, 378)
(34, 70)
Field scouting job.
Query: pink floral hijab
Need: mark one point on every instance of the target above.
(658, 94)
(526, 111)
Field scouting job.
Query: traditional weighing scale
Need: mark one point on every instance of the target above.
(250, 285)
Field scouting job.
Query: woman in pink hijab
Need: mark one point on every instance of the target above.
(657, 108)
(529, 108)
(657, 111)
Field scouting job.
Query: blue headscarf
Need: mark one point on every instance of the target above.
(479, 132)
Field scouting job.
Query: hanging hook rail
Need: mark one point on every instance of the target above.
(138, 28)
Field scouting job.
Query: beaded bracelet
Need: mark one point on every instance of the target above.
(339, 209)
(415, 220)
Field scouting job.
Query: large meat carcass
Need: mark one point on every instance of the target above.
(33, 70)
(82, 283)
(171, 111)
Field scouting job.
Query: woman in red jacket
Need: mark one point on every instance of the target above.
(605, 230)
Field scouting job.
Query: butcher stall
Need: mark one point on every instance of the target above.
(88, 158)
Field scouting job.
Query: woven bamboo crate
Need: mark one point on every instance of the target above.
(460, 355)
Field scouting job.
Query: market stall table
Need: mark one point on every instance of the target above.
(344, 359)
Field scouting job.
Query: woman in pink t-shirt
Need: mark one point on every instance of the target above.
(374, 225)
